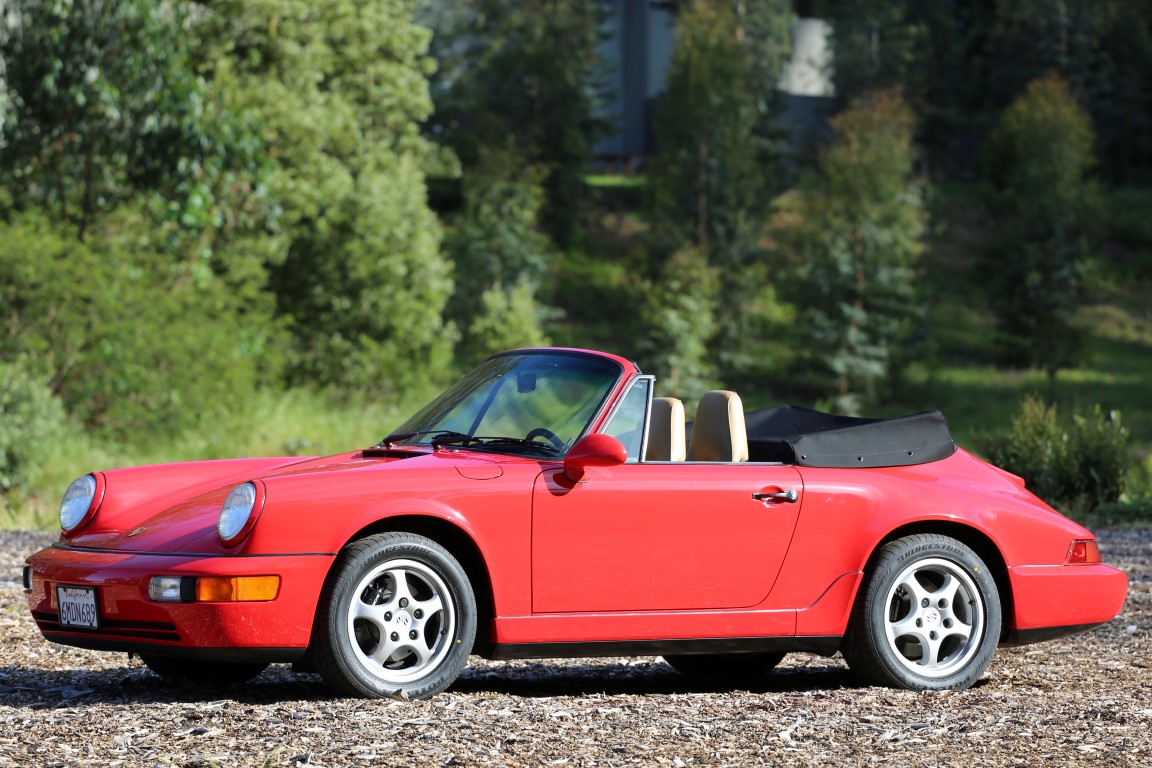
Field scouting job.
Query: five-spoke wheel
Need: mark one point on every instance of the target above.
(398, 618)
(928, 617)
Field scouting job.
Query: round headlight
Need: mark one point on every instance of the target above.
(236, 512)
(77, 502)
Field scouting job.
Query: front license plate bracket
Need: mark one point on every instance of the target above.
(77, 607)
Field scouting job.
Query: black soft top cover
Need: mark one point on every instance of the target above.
(793, 435)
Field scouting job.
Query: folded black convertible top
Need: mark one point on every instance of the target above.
(794, 435)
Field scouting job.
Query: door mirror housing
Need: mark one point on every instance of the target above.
(593, 451)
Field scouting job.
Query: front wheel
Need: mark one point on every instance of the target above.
(928, 617)
(397, 619)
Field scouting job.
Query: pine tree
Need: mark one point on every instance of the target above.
(861, 218)
(1047, 211)
(717, 162)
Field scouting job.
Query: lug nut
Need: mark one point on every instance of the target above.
(413, 635)
(419, 614)
(403, 602)
(388, 616)
(395, 636)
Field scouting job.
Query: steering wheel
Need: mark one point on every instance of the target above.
(548, 435)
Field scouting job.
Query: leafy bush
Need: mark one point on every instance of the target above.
(1075, 466)
(679, 317)
(500, 256)
(31, 420)
(131, 342)
(507, 319)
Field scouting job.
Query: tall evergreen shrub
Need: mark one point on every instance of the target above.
(718, 153)
(855, 247)
(1047, 211)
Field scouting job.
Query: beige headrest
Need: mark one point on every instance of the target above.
(719, 434)
(666, 430)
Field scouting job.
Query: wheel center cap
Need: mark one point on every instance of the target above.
(931, 617)
(403, 619)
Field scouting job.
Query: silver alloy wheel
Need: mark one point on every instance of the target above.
(935, 617)
(403, 620)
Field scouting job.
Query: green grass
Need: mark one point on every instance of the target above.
(615, 180)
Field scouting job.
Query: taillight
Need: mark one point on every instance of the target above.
(1082, 552)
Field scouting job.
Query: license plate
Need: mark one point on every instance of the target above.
(77, 606)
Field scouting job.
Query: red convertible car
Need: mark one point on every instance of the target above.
(547, 505)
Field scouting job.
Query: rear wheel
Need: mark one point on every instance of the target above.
(193, 671)
(726, 667)
(928, 617)
(397, 619)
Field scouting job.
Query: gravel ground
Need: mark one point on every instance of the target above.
(1085, 700)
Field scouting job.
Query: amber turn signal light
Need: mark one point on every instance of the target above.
(236, 589)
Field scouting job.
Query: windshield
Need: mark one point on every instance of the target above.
(535, 403)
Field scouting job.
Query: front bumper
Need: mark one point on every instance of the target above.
(129, 620)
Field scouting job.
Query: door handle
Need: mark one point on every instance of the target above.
(789, 496)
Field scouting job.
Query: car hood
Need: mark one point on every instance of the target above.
(142, 513)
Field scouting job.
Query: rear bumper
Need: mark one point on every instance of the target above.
(1056, 600)
(129, 620)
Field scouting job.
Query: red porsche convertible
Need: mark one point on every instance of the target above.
(547, 505)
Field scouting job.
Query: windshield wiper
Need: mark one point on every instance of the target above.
(451, 434)
(509, 441)
(451, 437)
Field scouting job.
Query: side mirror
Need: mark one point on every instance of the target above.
(593, 451)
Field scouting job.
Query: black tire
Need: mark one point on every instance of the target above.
(927, 618)
(201, 672)
(726, 667)
(397, 619)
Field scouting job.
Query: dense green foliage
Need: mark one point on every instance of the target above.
(679, 313)
(131, 341)
(1047, 213)
(105, 106)
(211, 209)
(31, 422)
(855, 250)
(1075, 465)
(962, 64)
(718, 164)
(524, 74)
(340, 88)
(500, 256)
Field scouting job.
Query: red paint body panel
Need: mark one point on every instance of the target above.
(121, 583)
(1069, 595)
(653, 537)
(634, 552)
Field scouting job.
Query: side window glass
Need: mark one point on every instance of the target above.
(627, 424)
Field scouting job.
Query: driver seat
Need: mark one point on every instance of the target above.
(719, 432)
(666, 430)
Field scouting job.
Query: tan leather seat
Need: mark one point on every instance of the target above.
(666, 430)
(719, 434)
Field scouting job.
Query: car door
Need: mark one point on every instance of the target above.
(661, 536)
